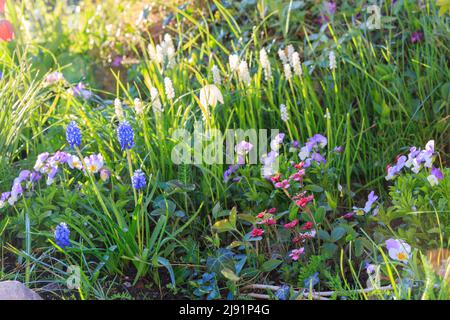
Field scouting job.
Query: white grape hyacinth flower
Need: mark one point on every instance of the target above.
(118, 109)
(284, 113)
(156, 102)
(265, 64)
(332, 60)
(234, 61)
(244, 74)
(168, 86)
(217, 79)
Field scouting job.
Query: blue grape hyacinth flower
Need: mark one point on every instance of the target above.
(138, 180)
(73, 135)
(62, 234)
(125, 135)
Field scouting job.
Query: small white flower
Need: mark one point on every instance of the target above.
(168, 86)
(287, 71)
(290, 53)
(284, 113)
(282, 55)
(216, 75)
(156, 102)
(138, 106)
(327, 115)
(332, 58)
(265, 64)
(118, 109)
(244, 74)
(234, 61)
(210, 95)
(296, 64)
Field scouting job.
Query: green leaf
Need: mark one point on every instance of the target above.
(165, 263)
(270, 265)
(323, 235)
(337, 233)
(230, 275)
(313, 188)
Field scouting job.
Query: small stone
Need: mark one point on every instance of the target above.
(15, 290)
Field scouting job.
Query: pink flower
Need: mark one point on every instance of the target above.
(296, 253)
(298, 175)
(308, 226)
(257, 232)
(303, 201)
(275, 178)
(272, 210)
(283, 184)
(261, 215)
(291, 224)
(270, 221)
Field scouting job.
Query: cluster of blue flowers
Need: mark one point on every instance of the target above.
(125, 135)
(62, 235)
(73, 135)
(138, 180)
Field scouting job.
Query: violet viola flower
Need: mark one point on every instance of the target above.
(330, 7)
(398, 249)
(4, 198)
(276, 142)
(243, 148)
(16, 191)
(416, 36)
(371, 200)
(23, 175)
(117, 61)
(435, 176)
(79, 90)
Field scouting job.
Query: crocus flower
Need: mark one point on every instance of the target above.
(291, 224)
(210, 95)
(398, 249)
(138, 180)
(435, 176)
(256, 232)
(62, 235)
(296, 253)
(73, 135)
(125, 135)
